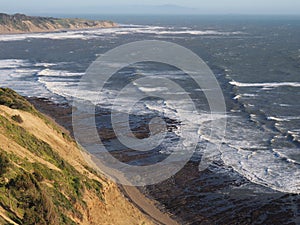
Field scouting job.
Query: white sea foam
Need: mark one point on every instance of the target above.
(264, 168)
(65, 85)
(295, 134)
(15, 79)
(290, 154)
(149, 89)
(266, 85)
(84, 35)
(22, 76)
(284, 118)
(197, 32)
(110, 32)
(22, 73)
(247, 150)
(249, 95)
(13, 63)
(46, 65)
(276, 119)
(244, 149)
(58, 73)
(20, 63)
(237, 97)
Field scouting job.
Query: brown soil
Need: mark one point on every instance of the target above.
(116, 209)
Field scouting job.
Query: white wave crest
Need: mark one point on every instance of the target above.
(111, 32)
(13, 63)
(266, 85)
(58, 73)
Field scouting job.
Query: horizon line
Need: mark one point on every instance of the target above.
(154, 14)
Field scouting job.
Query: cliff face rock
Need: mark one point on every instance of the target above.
(20, 23)
(44, 179)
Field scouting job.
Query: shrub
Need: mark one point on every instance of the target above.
(77, 186)
(17, 118)
(11, 99)
(22, 182)
(4, 163)
(31, 218)
(38, 176)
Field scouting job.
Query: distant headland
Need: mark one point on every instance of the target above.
(20, 23)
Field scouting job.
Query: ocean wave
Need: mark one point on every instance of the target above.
(246, 149)
(245, 95)
(295, 134)
(54, 36)
(24, 82)
(29, 78)
(58, 73)
(110, 32)
(151, 89)
(22, 73)
(20, 63)
(290, 154)
(197, 32)
(46, 65)
(264, 168)
(13, 63)
(266, 85)
(284, 118)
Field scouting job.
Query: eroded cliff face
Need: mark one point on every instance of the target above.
(44, 178)
(19, 23)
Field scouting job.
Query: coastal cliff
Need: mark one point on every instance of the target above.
(20, 23)
(44, 178)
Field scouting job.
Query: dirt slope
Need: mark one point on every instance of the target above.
(44, 179)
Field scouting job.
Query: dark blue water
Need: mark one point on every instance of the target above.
(256, 61)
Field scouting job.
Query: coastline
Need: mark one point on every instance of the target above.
(59, 30)
(66, 190)
(218, 195)
(23, 24)
(61, 114)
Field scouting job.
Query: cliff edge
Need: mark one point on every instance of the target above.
(44, 178)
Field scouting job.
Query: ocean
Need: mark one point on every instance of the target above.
(256, 61)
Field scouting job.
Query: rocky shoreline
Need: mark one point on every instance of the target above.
(193, 196)
(46, 179)
(61, 113)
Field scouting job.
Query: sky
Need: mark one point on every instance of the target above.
(152, 6)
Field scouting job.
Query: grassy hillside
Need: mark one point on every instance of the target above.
(43, 177)
(20, 23)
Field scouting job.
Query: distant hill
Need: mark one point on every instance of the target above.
(139, 9)
(45, 180)
(20, 23)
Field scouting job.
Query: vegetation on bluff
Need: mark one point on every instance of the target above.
(12, 100)
(20, 23)
(44, 178)
(30, 191)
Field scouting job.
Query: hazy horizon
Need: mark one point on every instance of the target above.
(267, 7)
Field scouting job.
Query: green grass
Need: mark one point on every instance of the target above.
(30, 142)
(29, 196)
(32, 193)
(13, 100)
